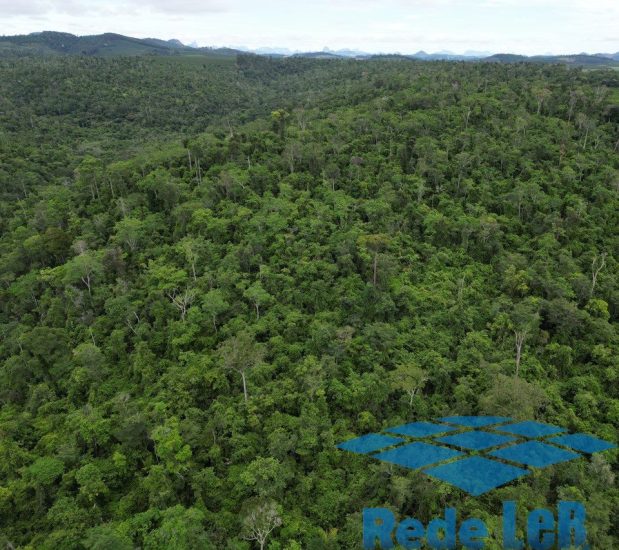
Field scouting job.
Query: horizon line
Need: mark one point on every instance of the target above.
(468, 52)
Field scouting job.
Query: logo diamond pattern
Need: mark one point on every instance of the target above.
(582, 442)
(420, 429)
(532, 429)
(417, 455)
(536, 454)
(369, 443)
(477, 475)
(476, 453)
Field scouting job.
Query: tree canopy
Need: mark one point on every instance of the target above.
(212, 272)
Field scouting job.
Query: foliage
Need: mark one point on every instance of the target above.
(205, 286)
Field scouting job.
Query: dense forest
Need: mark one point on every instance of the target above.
(213, 270)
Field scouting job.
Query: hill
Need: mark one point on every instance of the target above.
(103, 45)
(579, 60)
(113, 45)
(319, 55)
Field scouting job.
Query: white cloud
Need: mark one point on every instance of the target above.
(24, 7)
(78, 8)
(521, 26)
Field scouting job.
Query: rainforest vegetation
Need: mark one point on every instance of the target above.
(213, 270)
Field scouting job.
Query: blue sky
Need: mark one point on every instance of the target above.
(519, 26)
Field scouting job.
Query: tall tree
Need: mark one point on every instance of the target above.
(241, 353)
(259, 521)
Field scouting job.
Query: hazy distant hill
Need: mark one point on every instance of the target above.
(600, 60)
(111, 44)
(105, 45)
(614, 56)
(445, 56)
(319, 55)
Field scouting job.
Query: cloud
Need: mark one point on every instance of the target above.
(80, 8)
(521, 26)
(23, 7)
(185, 7)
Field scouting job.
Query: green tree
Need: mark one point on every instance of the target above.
(258, 296)
(375, 244)
(182, 529)
(90, 480)
(174, 453)
(214, 304)
(409, 378)
(524, 319)
(85, 268)
(241, 354)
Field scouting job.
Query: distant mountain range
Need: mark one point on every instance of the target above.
(576, 59)
(104, 45)
(110, 44)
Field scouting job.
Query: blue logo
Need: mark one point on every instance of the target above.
(475, 453)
